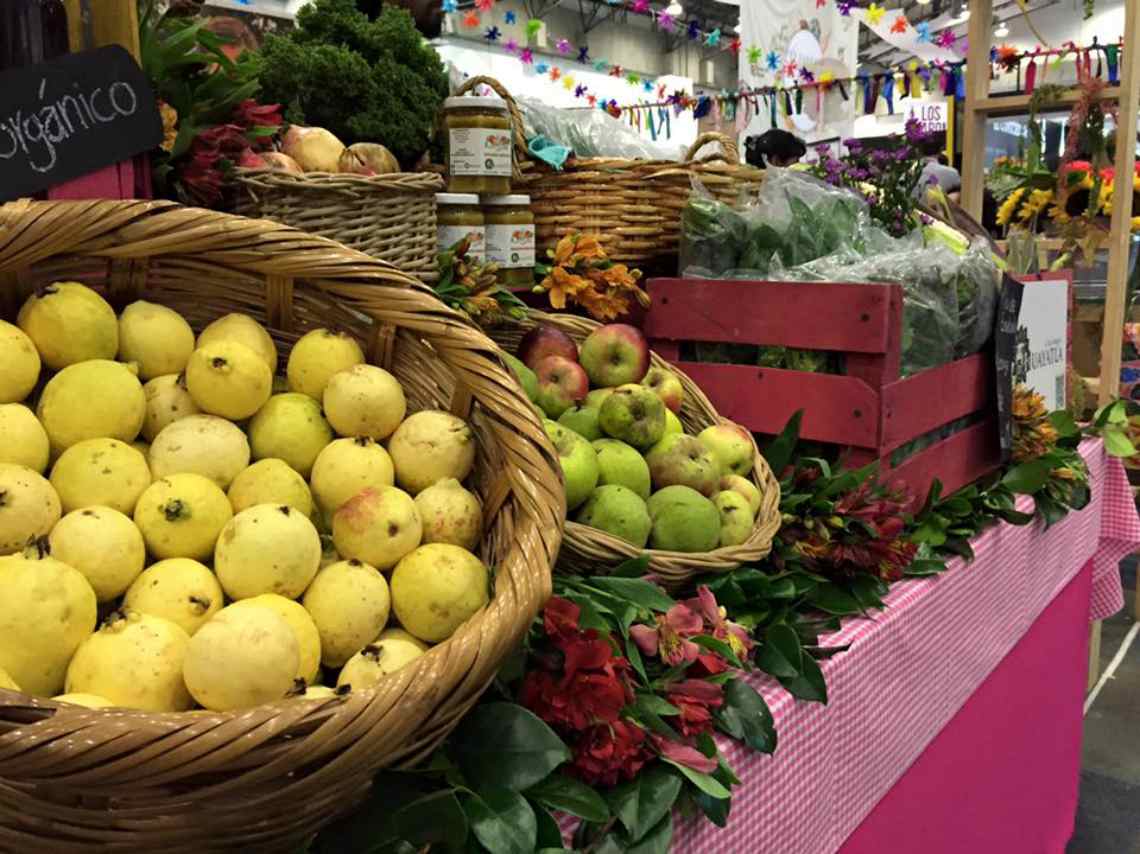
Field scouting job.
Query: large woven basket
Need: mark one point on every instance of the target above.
(589, 551)
(263, 779)
(634, 206)
(390, 217)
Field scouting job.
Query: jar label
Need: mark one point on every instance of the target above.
(449, 235)
(480, 152)
(510, 246)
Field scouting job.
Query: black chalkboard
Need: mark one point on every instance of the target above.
(1005, 349)
(73, 115)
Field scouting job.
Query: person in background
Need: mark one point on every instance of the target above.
(775, 147)
(937, 168)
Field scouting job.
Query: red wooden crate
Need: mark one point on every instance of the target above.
(870, 410)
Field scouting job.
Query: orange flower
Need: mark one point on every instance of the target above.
(575, 248)
(561, 284)
(604, 305)
(589, 248)
(564, 250)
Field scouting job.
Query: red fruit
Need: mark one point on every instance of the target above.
(543, 341)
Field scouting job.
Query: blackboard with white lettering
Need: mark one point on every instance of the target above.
(71, 116)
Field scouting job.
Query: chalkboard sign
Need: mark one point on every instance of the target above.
(1005, 351)
(71, 116)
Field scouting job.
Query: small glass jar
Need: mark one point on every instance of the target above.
(477, 134)
(458, 215)
(510, 238)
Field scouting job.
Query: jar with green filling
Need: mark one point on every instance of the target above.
(458, 215)
(510, 238)
(477, 134)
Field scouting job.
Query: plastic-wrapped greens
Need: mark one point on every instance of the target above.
(976, 283)
(592, 133)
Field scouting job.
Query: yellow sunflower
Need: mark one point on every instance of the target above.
(1037, 202)
(1058, 214)
(1005, 212)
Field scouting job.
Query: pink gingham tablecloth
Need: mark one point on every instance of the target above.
(909, 669)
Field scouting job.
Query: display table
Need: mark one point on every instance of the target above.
(954, 720)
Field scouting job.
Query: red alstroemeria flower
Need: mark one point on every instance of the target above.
(606, 753)
(719, 626)
(229, 139)
(578, 702)
(670, 638)
(696, 699)
(682, 754)
(560, 617)
(252, 114)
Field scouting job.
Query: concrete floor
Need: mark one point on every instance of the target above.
(1108, 816)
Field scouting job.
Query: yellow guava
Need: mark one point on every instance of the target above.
(100, 471)
(270, 481)
(22, 437)
(349, 602)
(200, 444)
(29, 507)
(88, 701)
(290, 427)
(318, 355)
(228, 379)
(134, 660)
(346, 467)
(7, 683)
(244, 330)
(167, 400)
(267, 548)
(157, 338)
(317, 692)
(70, 323)
(92, 400)
(387, 654)
(364, 400)
(437, 588)
(19, 363)
(242, 657)
(430, 446)
(47, 608)
(180, 590)
(377, 526)
(450, 514)
(304, 629)
(182, 516)
(104, 545)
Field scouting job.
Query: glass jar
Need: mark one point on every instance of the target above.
(458, 215)
(31, 31)
(477, 133)
(510, 238)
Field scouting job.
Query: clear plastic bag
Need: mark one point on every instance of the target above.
(977, 287)
(592, 133)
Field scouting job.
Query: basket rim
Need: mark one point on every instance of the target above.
(408, 182)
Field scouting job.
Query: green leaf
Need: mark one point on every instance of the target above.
(1064, 423)
(833, 599)
(503, 744)
(502, 821)
(641, 803)
(437, 819)
(1117, 443)
(590, 616)
(779, 450)
(1027, 478)
(633, 655)
(657, 840)
(746, 717)
(719, 647)
(644, 594)
(559, 792)
(548, 834)
(780, 655)
(633, 568)
(809, 685)
(656, 704)
(373, 823)
(704, 782)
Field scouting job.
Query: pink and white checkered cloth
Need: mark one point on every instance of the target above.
(909, 669)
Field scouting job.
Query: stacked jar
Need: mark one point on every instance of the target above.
(478, 138)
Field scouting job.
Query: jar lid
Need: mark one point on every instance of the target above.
(456, 199)
(465, 102)
(506, 200)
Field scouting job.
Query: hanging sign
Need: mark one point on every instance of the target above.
(930, 115)
(71, 116)
(1040, 356)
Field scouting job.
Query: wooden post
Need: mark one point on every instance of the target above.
(103, 22)
(980, 34)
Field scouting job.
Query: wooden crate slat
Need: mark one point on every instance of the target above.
(916, 405)
(843, 317)
(841, 410)
(956, 462)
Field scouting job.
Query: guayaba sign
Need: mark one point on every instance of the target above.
(72, 116)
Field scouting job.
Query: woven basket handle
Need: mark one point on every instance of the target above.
(516, 116)
(728, 143)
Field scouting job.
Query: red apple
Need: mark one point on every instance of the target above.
(616, 354)
(667, 387)
(561, 384)
(543, 341)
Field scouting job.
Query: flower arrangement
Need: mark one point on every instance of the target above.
(581, 273)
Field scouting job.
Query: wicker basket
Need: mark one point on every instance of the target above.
(634, 206)
(263, 779)
(390, 217)
(589, 551)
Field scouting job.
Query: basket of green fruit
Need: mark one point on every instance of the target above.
(309, 504)
(649, 466)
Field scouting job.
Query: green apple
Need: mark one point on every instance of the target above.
(683, 520)
(732, 445)
(633, 414)
(615, 354)
(736, 520)
(745, 487)
(684, 460)
(597, 397)
(583, 420)
(672, 423)
(618, 511)
(622, 464)
(666, 386)
(578, 460)
(526, 377)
